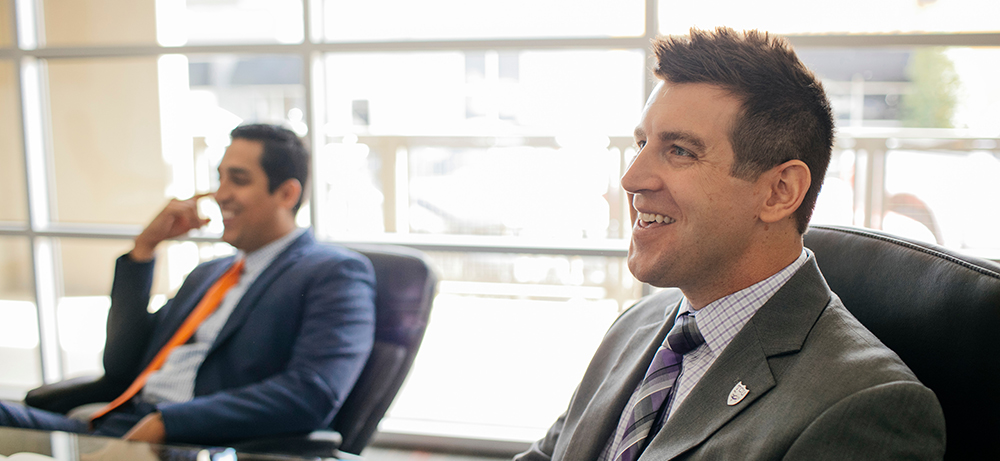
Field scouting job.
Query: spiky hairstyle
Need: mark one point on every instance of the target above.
(785, 113)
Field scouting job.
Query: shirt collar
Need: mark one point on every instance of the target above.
(720, 320)
(262, 257)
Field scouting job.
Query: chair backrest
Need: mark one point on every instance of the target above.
(406, 285)
(937, 309)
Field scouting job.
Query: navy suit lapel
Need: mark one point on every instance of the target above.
(251, 298)
(180, 309)
(779, 327)
(598, 421)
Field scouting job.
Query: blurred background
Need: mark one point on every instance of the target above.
(489, 134)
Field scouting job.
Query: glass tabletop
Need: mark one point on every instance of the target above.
(35, 445)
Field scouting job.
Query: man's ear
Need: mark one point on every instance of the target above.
(288, 192)
(787, 186)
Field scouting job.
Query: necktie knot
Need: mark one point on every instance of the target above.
(684, 337)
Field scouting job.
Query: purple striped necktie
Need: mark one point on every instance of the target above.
(655, 389)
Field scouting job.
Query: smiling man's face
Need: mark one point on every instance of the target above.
(692, 220)
(252, 216)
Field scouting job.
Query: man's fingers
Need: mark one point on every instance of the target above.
(182, 215)
(177, 218)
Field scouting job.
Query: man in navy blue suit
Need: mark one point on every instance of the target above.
(287, 342)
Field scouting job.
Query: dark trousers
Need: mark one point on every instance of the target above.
(114, 424)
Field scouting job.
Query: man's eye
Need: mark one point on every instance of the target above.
(682, 152)
(640, 144)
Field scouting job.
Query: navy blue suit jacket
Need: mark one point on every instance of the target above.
(286, 358)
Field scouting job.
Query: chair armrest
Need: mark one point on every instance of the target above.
(66, 395)
(318, 444)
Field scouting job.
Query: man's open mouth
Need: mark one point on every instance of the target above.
(650, 218)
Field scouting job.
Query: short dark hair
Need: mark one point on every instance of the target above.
(785, 113)
(285, 156)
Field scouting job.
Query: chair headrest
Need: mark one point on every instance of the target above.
(405, 285)
(939, 310)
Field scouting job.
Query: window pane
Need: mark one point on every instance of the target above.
(485, 92)
(82, 311)
(157, 127)
(87, 273)
(99, 22)
(502, 316)
(6, 24)
(836, 202)
(220, 92)
(14, 206)
(977, 95)
(108, 165)
(846, 16)
(19, 352)
(347, 20)
(249, 88)
(201, 22)
(523, 191)
(450, 149)
(965, 215)
(929, 114)
(920, 87)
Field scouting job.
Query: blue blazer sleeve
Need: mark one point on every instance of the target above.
(129, 325)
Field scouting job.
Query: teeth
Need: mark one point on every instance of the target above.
(651, 217)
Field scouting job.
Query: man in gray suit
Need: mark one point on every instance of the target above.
(765, 362)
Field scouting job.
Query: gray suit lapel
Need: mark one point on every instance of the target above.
(705, 410)
(598, 421)
(780, 326)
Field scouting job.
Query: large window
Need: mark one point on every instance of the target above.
(489, 134)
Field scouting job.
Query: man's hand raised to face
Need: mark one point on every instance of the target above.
(176, 219)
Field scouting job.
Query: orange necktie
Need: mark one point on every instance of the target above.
(213, 297)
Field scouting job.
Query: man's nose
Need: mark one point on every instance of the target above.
(639, 176)
(220, 194)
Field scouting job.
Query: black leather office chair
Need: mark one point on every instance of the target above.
(937, 309)
(406, 285)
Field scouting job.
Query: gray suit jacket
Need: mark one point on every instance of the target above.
(821, 386)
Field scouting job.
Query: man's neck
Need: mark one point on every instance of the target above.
(282, 236)
(753, 268)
